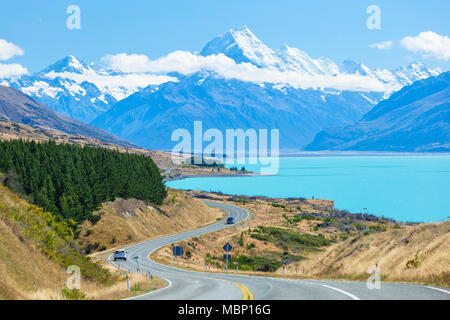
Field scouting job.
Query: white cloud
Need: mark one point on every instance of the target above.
(127, 62)
(430, 44)
(119, 86)
(9, 50)
(10, 70)
(384, 45)
(187, 63)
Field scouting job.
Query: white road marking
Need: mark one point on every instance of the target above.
(342, 291)
(438, 289)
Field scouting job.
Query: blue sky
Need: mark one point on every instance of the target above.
(334, 29)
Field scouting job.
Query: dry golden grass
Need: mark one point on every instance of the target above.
(25, 272)
(426, 247)
(139, 284)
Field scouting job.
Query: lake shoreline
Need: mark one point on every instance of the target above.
(405, 188)
(225, 175)
(307, 154)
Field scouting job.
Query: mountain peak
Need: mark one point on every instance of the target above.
(241, 45)
(67, 64)
(417, 70)
(243, 30)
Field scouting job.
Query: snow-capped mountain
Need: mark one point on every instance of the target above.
(396, 79)
(242, 45)
(79, 90)
(68, 64)
(293, 59)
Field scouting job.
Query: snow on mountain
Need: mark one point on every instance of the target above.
(396, 79)
(68, 64)
(243, 46)
(81, 91)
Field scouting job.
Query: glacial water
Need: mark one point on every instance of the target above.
(406, 188)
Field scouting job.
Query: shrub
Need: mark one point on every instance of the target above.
(343, 236)
(277, 205)
(241, 240)
(73, 294)
(289, 239)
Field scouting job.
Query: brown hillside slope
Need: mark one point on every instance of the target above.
(124, 222)
(419, 253)
(19, 107)
(25, 272)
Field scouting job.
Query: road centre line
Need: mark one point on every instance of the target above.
(342, 291)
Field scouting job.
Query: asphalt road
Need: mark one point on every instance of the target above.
(192, 285)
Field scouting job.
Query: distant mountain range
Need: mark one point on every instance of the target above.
(127, 106)
(415, 119)
(242, 45)
(148, 117)
(18, 107)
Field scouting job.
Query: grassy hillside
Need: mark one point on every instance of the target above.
(35, 249)
(412, 253)
(124, 222)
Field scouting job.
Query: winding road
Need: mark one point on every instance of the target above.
(193, 285)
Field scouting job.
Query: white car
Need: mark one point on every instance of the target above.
(120, 255)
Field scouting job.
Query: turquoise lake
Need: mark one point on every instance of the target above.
(405, 188)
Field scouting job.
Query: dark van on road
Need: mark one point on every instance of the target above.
(230, 220)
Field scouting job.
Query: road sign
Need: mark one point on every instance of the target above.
(227, 256)
(137, 261)
(227, 247)
(177, 250)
